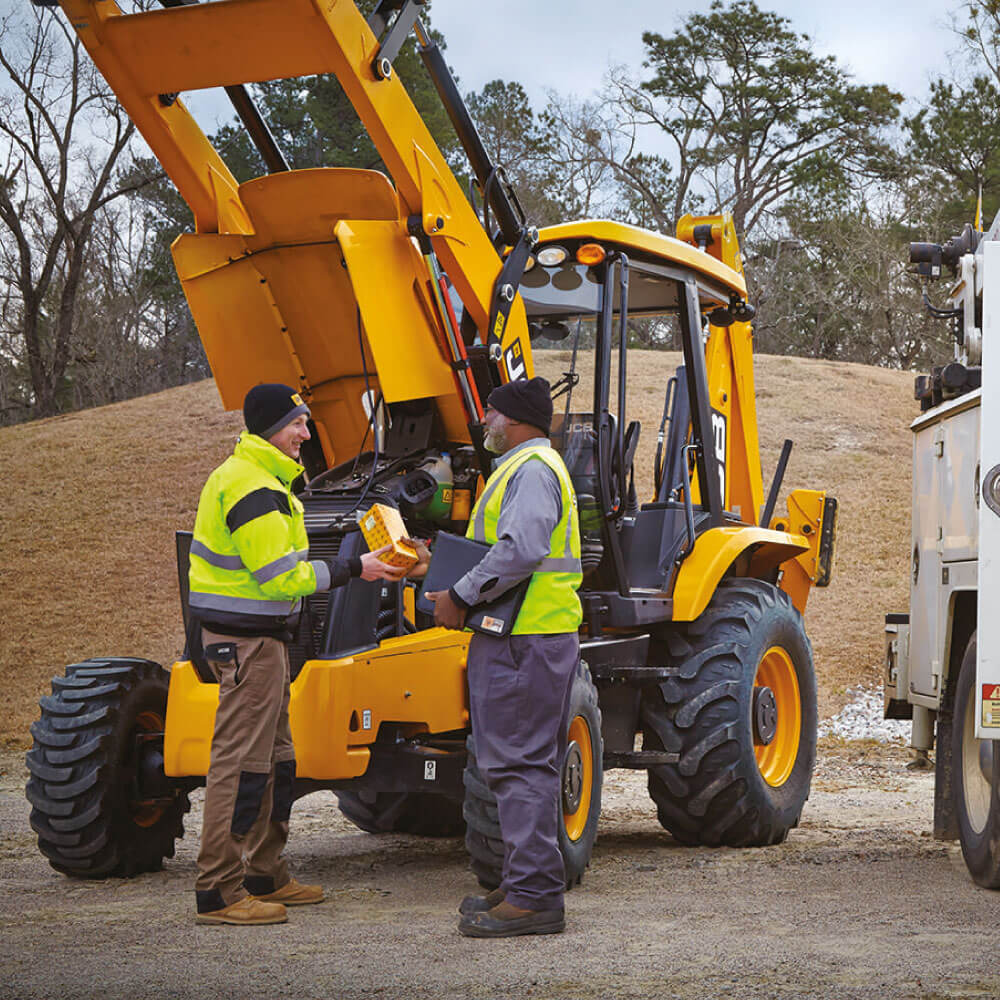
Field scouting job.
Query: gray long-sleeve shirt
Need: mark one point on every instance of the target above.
(531, 509)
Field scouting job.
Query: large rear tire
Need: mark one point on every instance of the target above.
(739, 707)
(420, 813)
(96, 750)
(976, 767)
(581, 780)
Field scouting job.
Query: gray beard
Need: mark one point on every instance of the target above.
(495, 442)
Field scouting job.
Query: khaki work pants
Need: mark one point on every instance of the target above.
(248, 790)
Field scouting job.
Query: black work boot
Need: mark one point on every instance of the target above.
(480, 904)
(507, 920)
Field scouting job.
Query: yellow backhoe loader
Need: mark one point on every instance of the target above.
(394, 308)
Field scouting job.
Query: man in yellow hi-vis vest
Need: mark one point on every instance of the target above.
(519, 684)
(250, 569)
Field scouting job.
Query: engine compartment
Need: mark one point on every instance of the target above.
(431, 487)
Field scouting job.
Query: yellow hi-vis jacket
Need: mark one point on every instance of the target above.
(551, 604)
(249, 555)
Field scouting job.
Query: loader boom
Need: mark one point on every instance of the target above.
(149, 58)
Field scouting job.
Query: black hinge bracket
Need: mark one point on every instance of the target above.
(391, 40)
(504, 291)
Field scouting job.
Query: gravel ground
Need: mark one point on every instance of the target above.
(860, 902)
(861, 719)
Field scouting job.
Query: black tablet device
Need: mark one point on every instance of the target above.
(453, 556)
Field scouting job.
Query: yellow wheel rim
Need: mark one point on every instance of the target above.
(146, 814)
(776, 760)
(577, 778)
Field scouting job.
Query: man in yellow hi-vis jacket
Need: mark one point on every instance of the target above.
(519, 684)
(250, 568)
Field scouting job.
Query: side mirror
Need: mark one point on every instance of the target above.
(738, 311)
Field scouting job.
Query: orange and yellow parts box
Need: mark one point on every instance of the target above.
(382, 526)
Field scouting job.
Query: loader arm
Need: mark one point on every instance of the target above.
(149, 58)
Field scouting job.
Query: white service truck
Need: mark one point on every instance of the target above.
(942, 664)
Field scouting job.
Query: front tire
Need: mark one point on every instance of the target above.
(94, 758)
(581, 780)
(976, 765)
(739, 708)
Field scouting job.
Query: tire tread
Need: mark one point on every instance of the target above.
(79, 805)
(714, 794)
(423, 814)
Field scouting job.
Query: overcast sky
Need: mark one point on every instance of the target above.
(567, 45)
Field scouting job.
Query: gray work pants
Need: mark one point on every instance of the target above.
(519, 689)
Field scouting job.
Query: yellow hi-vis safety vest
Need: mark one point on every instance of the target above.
(250, 554)
(551, 604)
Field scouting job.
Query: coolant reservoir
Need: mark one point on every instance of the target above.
(439, 506)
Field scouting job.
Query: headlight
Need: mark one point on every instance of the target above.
(991, 489)
(551, 256)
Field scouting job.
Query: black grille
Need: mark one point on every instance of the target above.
(321, 511)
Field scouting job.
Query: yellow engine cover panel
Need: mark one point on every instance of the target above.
(387, 276)
(336, 706)
(280, 303)
(235, 314)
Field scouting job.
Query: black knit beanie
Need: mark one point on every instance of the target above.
(271, 406)
(527, 400)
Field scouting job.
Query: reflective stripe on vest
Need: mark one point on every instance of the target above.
(241, 605)
(250, 551)
(551, 604)
(215, 558)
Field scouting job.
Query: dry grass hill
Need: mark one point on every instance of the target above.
(90, 502)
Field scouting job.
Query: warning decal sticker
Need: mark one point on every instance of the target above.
(991, 706)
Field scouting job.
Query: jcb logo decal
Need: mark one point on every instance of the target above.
(514, 360)
(719, 448)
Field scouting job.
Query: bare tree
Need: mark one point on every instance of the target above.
(601, 144)
(63, 139)
(981, 33)
(588, 146)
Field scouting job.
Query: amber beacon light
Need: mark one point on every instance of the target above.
(591, 254)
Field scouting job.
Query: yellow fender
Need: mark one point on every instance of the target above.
(717, 550)
(793, 542)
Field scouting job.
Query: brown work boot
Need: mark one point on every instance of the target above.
(294, 894)
(507, 920)
(480, 904)
(245, 912)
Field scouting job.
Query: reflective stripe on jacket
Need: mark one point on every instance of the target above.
(249, 555)
(551, 604)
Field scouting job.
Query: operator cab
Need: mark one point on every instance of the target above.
(574, 290)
